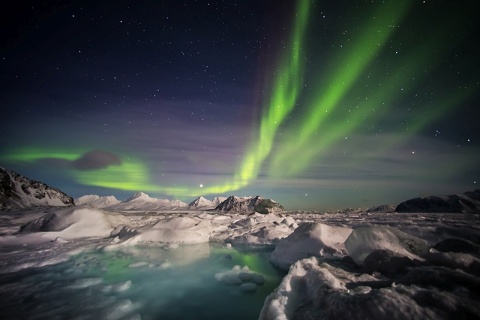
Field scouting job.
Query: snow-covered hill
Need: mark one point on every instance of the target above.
(142, 201)
(201, 202)
(17, 191)
(97, 201)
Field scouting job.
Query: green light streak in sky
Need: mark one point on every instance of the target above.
(132, 174)
(399, 83)
(36, 153)
(343, 74)
(284, 94)
(325, 120)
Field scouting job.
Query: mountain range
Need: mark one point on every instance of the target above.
(17, 191)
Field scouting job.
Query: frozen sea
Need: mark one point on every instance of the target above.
(88, 263)
(142, 283)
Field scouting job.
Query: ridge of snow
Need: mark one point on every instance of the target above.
(142, 201)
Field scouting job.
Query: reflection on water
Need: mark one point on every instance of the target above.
(141, 283)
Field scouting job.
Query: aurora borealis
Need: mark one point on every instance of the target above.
(312, 103)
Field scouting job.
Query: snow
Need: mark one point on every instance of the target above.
(201, 202)
(97, 201)
(365, 240)
(243, 277)
(310, 239)
(353, 264)
(143, 202)
(21, 192)
(177, 230)
(74, 223)
(320, 290)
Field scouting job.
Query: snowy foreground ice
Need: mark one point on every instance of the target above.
(89, 263)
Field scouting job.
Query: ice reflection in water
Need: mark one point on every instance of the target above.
(140, 283)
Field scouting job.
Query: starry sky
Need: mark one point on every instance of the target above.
(316, 104)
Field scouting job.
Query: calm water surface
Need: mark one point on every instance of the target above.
(140, 283)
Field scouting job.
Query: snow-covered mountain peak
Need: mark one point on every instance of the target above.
(17, 191)
(142, 201)
(201, 202)
(249, 204)
(97, 201)
(141, 196)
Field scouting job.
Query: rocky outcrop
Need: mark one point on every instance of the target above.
(17, 191)
(249, 205)
(384, 208)
(469, 202)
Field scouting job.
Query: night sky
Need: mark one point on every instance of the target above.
(316, 104)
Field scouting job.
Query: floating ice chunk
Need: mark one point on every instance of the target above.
(229, 277)
(138, 264)
(248, 287)
(245, 276)
(310, 239)
(239, 275)
(86, 282)
(118, 310)
(251, 277)
(119, 287)
(236, 268)
(258, 279)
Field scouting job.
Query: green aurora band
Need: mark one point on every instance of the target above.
(330, 114)
(407, 75)
(133, 175)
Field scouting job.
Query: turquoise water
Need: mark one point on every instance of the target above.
(141, 283)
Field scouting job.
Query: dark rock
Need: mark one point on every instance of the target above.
(249, 205)
(457, 245)
(467, 203)
(248, 287)
(123, 232)
(454, 260)
(382, 208)
(386, 262)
